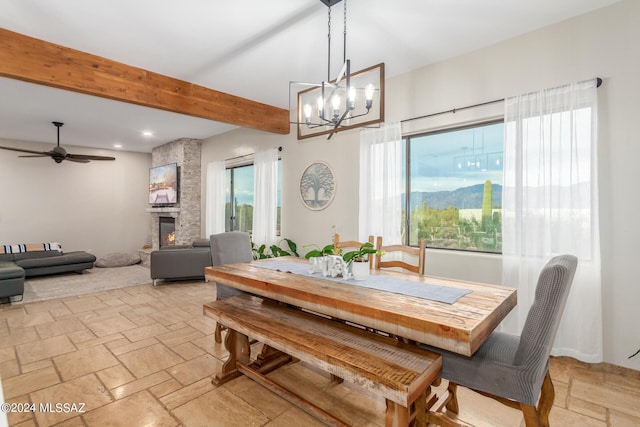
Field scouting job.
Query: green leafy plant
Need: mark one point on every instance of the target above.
(361, 254)
(327, 250)
(263, 252)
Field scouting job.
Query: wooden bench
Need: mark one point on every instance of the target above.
(399, 372)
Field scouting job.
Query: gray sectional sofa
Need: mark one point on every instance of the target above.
(14, 267)
(181, 262)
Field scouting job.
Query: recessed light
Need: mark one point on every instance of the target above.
(117, 145)
(147, 133)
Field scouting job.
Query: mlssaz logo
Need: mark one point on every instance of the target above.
(64, 408)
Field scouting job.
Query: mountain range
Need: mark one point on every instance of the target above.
(460, 198)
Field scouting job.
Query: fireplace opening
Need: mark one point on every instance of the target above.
(167, 231)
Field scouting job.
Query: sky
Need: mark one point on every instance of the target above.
(450, 160)
(243, 184)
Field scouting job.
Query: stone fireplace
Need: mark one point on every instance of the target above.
(186, 213)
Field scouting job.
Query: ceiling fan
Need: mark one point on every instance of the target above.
(58, 154)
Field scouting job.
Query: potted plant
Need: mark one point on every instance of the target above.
(358, 260)
(327, 250)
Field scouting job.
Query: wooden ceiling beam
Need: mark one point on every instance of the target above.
(37, 61)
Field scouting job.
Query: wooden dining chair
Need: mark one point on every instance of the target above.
(340, 245)
(417, 252)
(514, 370)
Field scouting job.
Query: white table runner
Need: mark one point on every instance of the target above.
(383, 283)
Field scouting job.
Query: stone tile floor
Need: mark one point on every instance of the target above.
(144, 356)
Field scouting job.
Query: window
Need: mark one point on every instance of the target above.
(454, 188)
(239, 189)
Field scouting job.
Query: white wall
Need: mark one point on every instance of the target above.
(598, 44)
(98, 206)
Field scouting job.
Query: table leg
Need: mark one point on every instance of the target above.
(270, 359)
(234, 342)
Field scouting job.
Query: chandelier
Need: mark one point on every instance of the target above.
(350, 100)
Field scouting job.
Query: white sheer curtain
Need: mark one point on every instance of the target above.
(550, 207)
(380, 209)
(214, 221)
(265, 181)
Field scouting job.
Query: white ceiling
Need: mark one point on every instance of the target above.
(249, 48)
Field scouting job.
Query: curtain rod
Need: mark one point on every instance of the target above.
(482, 104)
(245, 155)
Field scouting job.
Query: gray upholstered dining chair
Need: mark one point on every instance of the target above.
(229, 248)
(515, 370)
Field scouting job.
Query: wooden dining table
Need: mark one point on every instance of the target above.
(460, 327)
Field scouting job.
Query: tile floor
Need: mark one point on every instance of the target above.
(144, 356)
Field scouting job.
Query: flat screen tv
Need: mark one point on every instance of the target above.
(163, 185)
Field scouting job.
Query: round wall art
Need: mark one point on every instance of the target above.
(317, 186)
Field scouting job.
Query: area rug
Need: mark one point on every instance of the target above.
(94, 280)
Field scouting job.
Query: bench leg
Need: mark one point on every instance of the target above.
(400, 416)
(419, 409)
(234, 342)
(218, 333)
(396, 415)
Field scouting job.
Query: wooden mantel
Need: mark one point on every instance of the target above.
(38, 61)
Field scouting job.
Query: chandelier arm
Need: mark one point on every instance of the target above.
(344, 35)
(312, 125)
(316, 125)
(328, 43)
(359, 115)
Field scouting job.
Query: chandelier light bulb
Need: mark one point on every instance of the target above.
(320, 102)
(307, 113)
(369, 90)
(352, 97)
(335, 102)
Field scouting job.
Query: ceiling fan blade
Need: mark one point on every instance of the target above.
(36, 155)
(25, 151)
(71, 159)
(88, 157)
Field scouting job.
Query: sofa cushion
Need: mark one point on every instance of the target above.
(117, 260)
(201, 243)
(30, 247)
(173, 247)
(68, 258)
(9, 270)
(36, 254)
